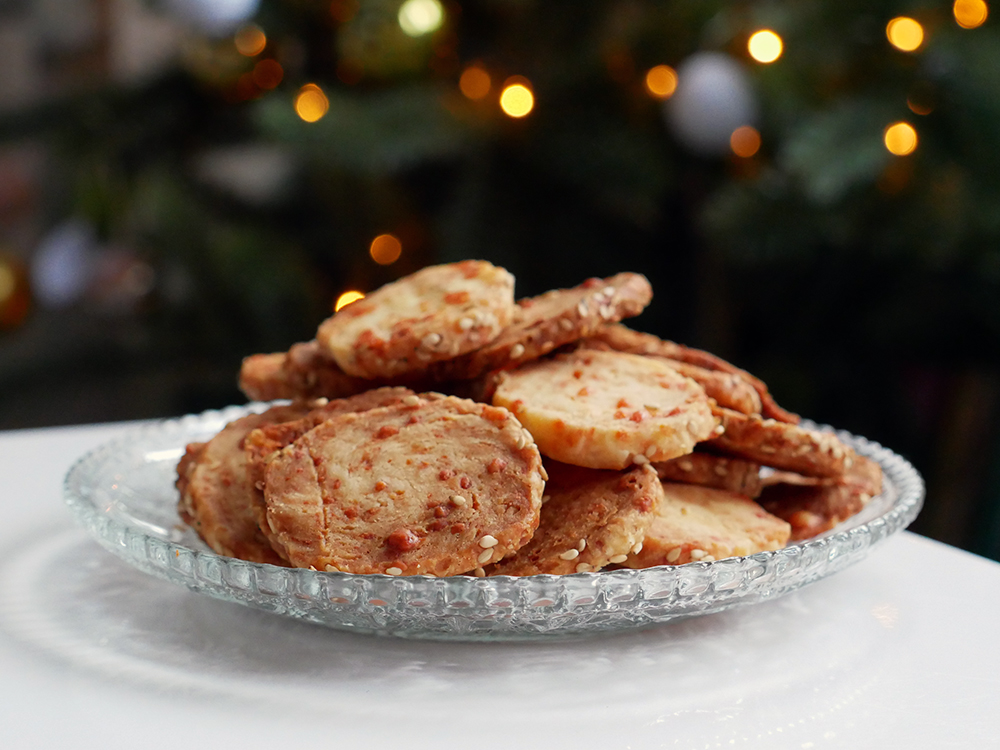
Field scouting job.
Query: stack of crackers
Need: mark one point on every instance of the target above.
(438, 427)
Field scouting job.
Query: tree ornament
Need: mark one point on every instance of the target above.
(214, 17)
(714, 97)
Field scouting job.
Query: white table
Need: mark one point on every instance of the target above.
(899, 651)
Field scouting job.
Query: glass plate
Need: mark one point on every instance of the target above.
(123, 492)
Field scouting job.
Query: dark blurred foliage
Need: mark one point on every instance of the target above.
(860, 285)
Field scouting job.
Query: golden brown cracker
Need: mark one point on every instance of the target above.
(697, 523)
(606, 409)
(710, 470)
(435, 487)
(590, 518)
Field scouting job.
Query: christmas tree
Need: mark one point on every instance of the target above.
(812, 187)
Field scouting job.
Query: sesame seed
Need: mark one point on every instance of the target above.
(488, 541)
(674, 555)
(458, 500)
(465, 324)
(529, 438)
(768, 449)
(608, 291)
(719, 429)
(430, 340)
(618, 558)
(312, 567)
(582, 309)
(697, 554)
(650, 451)
(607, 312)
(570, 554)
(650, 407)
(411, 400)
(581, 545)
(545, 498)
(332, 569)
(479, 573)
(484, 556)
(708, 558)
(639, 459)
(517, 351)
(637, 548)
(721, 470)
(520, 442)
(583, 568)
(566, 324)
(685, 465)
(322, 401)
(394, 571)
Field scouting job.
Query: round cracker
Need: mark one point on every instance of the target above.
(434, 314)
(216, 489)
(556, 318)
(695, 523)
(590, 519)
(606, 409)
(439, 487)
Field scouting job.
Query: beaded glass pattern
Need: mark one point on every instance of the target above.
(123, 492)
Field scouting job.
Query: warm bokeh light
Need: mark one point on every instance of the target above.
(250, 40)
(765, 46)
(347, 298)
(516, 100)
(419, 17)
(900, 138)
(268, 73)
(970, 14)
(919, 107)
(661, 81)
(905, 34)
(311, 103)
(344, 10)
(385, 249)
(475, 82)
(745, 141)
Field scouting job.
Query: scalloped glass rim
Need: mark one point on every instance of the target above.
(123, 493)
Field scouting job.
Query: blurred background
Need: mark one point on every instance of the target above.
(812, 187)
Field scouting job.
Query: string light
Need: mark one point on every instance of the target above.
(905, 34)
(475, 82)
(661, 81)
(268, 73)
(347, 298)
(765, 46)
(745, 141)
(311, 103)
(385, 249)
(516, 99)
(970, 14)
(419, 17)
(900, 138)
(250, 40)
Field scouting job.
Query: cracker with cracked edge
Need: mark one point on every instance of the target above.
(622, 338)
(215, 489)
(710, 470)
(551, 320)
(434, 314)
(816, 505)
(438, 487)
(605, 409)
(591, 518)
(696, 523)
(782, 445)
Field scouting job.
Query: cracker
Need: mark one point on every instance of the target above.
(434, 314)
(605, 409)
(814, 505)
(590, 519)
(710, 470)
(783, 445)
(215, 489)
(438, 487)
(556, 318)
(624, 339)
(697, 523)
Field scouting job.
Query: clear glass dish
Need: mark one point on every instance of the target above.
(123, 492)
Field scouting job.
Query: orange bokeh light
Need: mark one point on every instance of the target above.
(475, 82)
(385, 249)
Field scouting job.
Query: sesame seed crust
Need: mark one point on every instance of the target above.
(593, 518)
(695, 523)
(585, 408)
(424, 317)
(710, 470)
(342, 495)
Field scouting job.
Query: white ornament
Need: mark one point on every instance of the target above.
(215, 17)
(714, 97)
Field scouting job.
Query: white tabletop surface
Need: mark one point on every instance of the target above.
(899, 651)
